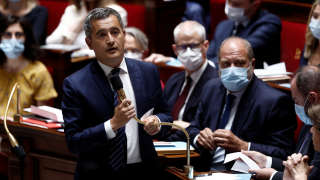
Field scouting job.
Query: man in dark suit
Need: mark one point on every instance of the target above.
(240, 112)
(304, 86)
(246, 20)
(100, 128)
(183, 89)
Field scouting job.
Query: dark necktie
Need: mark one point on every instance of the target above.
(226, 114)
(237, 29)
(118, 145)
(181, 99)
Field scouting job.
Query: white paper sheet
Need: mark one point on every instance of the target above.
(243, 163)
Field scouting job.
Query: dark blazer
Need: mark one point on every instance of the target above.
(263, 33)
(171, 93)
(304, 146)
(265, 117)
(88, 102)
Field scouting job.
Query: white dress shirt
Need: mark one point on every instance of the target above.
(133, 149)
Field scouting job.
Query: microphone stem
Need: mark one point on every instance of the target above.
(122, 96)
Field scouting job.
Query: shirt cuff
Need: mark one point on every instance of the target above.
(272, 175)
(110, 133)
(195, 141)
(269, 162)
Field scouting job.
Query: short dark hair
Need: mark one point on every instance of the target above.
(308, 79)
(31, 48)
(99, 13)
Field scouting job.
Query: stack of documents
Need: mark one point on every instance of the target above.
(176, 147)
(275, 72)
(43, 116)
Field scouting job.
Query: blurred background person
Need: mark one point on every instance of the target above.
(18, 61)
(70, 29)
(198, 10)
(31, 10)
(247, 20)
(311, 54)
(136, 44)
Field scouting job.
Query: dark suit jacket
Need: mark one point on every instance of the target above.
(88, 102)
(171, 93)
(306, 149)
(265, 117)
(263, 33)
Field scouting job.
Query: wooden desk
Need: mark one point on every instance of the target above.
(48, 157)
(47, 154)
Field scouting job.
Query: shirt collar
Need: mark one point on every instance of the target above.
(107, 69)
(195, 76)
(243, 23)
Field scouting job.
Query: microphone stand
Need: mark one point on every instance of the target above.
(18, 150)
(117, 85)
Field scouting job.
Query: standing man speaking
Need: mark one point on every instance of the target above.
(99, 128)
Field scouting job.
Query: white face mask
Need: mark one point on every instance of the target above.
(191, 59)
(314, 26)
(133, 55)
(235, 14)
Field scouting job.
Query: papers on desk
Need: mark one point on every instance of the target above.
(225, 176)
(273, 72)
(243, 163)
(44, 117)
(176, 147)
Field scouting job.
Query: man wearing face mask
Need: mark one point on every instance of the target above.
(246, 20)
(240, 112)
(305, 88)
(136, 44)
(183, 89)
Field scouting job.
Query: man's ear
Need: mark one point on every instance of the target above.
(174, 48)
(88, 41)
(314, 97)
(253, 62)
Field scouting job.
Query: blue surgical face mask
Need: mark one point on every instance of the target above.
(302, 115)
(234, 78)
(235, 14)
(13, 48)
(314, 26)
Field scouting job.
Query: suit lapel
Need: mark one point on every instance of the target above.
(136, 79)
(244, 107)
(101, 81)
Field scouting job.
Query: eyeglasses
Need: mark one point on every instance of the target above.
(8, 35)
(192, 46)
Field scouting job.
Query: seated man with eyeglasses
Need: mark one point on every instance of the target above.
(183, 89)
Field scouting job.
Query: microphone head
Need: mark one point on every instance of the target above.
(116, 83)
(19, 151)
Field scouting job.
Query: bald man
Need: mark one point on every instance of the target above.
(240, 112)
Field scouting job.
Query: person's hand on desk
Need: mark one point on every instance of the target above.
(205, 139)
(227, 140)
(157, 58)
(181, 123)
(122, 114)
(257, 157)
(152, 124)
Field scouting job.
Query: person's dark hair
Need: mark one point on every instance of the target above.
(308, 79)
(31, 48)
(99, 13)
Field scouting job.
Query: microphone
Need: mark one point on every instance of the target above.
(118, 86)
(15, 147)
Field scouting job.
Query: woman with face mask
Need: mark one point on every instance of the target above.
(18, 63)
(311, 54)
(30, 9)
